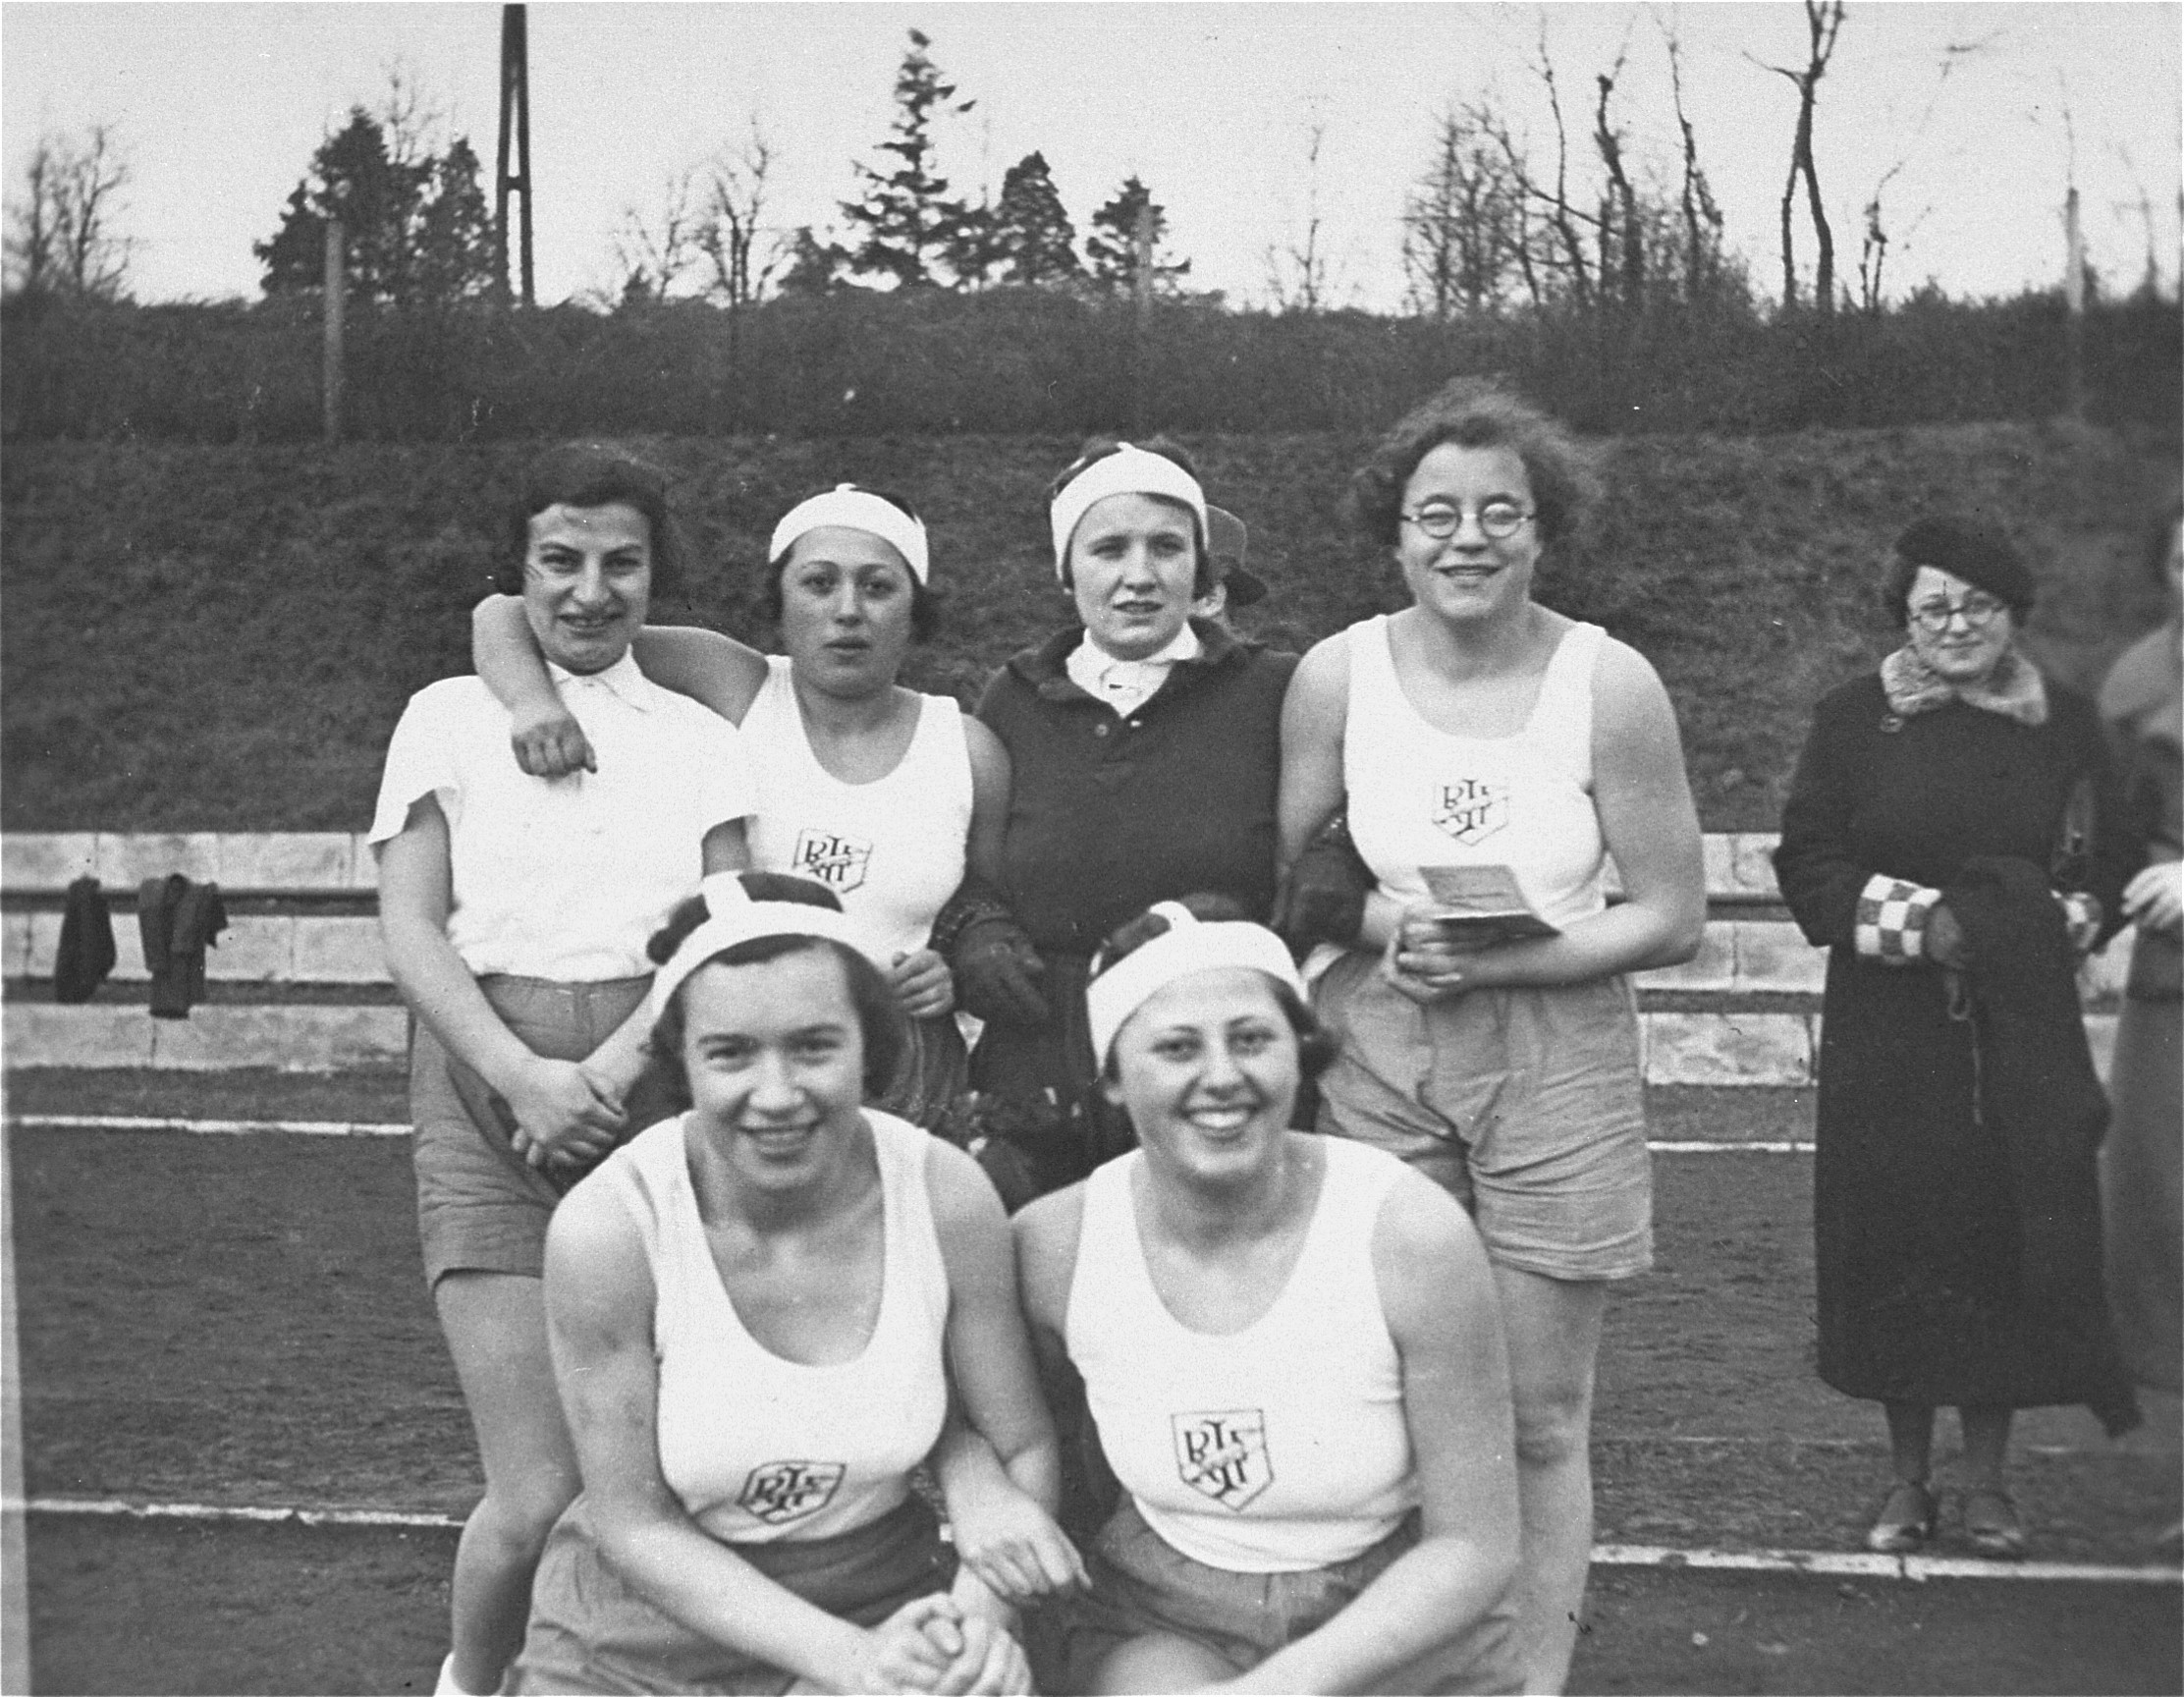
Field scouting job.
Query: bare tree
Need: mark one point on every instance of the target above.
(1873, 250)
(655, 249)
(733, 217)
(61, 238)
(1618, 213)
(1561, 217)
(1461, 220)
(2141, 203)
(1702, 216)
(1823, 24)
(1297, 274)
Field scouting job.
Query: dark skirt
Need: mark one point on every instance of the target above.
(590, 1632)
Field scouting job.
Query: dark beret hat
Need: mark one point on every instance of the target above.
(1975, 550)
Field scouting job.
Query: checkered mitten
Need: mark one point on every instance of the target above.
(1891, 919)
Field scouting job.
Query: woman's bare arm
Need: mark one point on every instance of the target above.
(1437, 1294)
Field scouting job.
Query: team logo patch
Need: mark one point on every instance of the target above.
(1470, 809)
(782, 1491)
(1223, 1454)
(837, 863)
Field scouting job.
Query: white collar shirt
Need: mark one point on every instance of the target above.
(1128, 685)
(566, 878)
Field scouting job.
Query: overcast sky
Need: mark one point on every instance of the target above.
(220, 106)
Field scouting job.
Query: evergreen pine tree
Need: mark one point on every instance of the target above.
(907, 217)
(814, 266)
(412, 233)
(1034, 238)
(1112, 246)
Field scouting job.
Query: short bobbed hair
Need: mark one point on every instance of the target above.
(593, 474)
(926, 602)
(879, 1016)
(1097, 448)
(1472, 412)
(1315, 1050)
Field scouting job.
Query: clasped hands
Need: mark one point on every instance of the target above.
(1012, 1556)
(564, 1112)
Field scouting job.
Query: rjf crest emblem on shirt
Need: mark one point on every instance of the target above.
(776, 1492)
(1221, 1453)
(1470, 809)
(837, 861)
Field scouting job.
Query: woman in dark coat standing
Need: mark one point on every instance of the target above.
(1950, 838)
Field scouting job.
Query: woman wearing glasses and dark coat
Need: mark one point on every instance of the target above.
(1479, 732)
(1951, 838)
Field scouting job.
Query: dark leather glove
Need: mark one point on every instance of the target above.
(1945, 942)
(998, 973)
(1322, 898)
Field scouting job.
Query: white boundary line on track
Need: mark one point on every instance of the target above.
(1823, 1562)
(386, 1129)
(213, 1127)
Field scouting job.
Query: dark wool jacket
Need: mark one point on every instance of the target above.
(1108, 815)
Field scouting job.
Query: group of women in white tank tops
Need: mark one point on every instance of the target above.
(1292, 1394)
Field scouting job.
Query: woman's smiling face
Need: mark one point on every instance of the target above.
(1469, 576)
(1208, 1070)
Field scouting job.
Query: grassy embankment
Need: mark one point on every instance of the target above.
(221, 638)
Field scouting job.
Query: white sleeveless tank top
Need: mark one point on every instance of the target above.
(1420, 797)
(759, 1448)
(890, 849)
(1273, 1450)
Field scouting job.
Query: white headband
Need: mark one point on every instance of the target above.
(1190, 944)
(733, 917)
(854, 509)
(1128, 471)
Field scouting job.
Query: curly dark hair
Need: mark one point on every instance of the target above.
(879, 1016)
(593, 474)
(1473, 413)
(926, 603)
(1097, 448)
(1315, 1048)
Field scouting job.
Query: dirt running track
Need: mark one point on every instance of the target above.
(240, 1321)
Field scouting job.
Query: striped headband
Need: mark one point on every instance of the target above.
(1128, 471)
(1189, 945)
(854, 509)
(733, 917)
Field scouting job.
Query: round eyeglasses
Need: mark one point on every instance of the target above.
(1977, 611)
(1497, 520)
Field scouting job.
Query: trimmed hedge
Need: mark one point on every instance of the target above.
(1018, 362)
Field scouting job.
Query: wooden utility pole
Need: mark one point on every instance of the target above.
(1141, 312)
(2074, 309)
(515, 127)
(332, 378)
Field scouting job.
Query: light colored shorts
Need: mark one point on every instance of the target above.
(480, 1206)
(1527, 1105)
(1142, 1585)
(590, 1632)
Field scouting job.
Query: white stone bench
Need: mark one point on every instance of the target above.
(299, 982)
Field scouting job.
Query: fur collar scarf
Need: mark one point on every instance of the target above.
(2013, 688)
